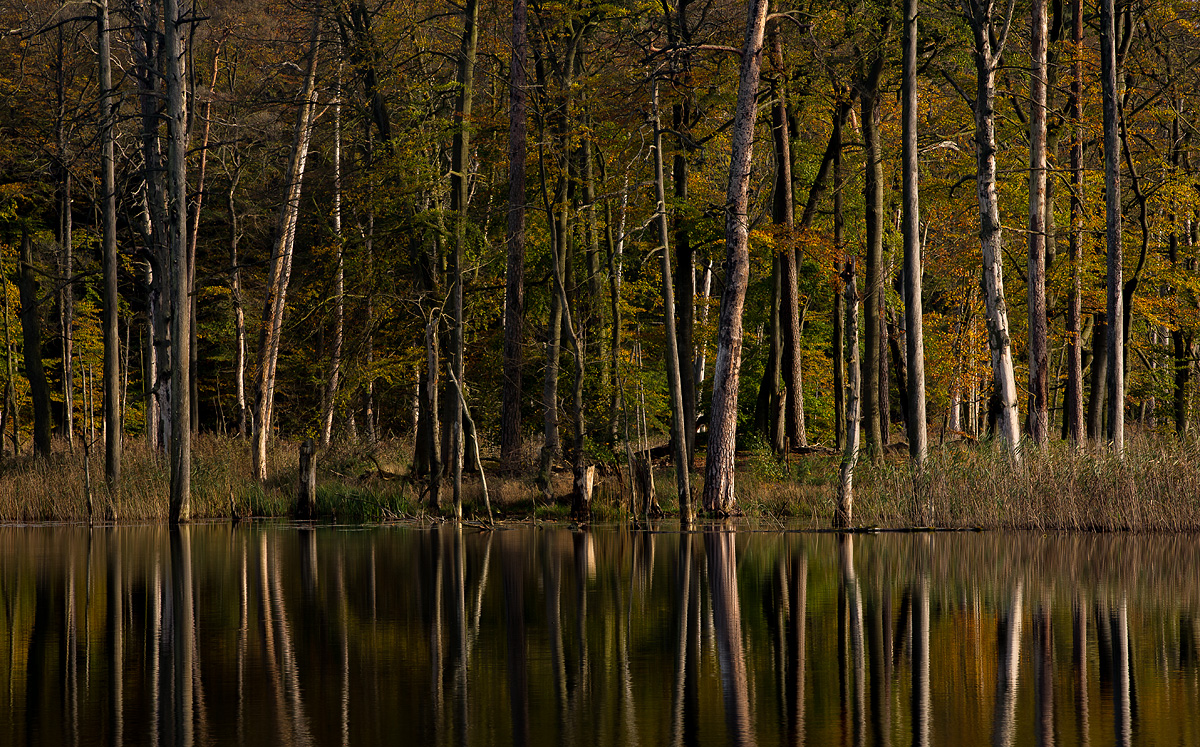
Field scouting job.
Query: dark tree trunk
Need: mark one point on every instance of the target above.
(1112, 210)
(1039, 354)
(1073, 405)
(31, 331)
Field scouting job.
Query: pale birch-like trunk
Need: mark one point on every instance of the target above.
(1039, 354)
(845, 498)
(679, 438)
(722, 441)
(979, 17)
(1112, 212)
(918, 437)
(281, 262)
(339, 277)
(1007, 670)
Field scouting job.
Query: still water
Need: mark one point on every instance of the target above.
(276, 634)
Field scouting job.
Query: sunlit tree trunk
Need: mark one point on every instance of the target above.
(918, 436)
(280, 263)
(979, 15)
(845, 498)
(719, 465)
(339, 276)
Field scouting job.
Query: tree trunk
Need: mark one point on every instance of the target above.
(845, 500)
(514, 292)
(874, 352)
(722, 441)
(1073, 404)
(239, 315)
(986, 62)
(459, 196)
(193, 343)
(174, 51)
(339, 276)
(66, 239)
(280, 267)
(1112, 210)
(31, 332)
(1039, 354)
(679, 438)
(783, 214)
(1095, 409)
(839, 313)
(108, 202)
(918, 436)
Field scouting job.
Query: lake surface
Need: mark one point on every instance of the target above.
(268, 634)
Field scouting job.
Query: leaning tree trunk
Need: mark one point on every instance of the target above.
(1112, 211)
(979, 16)
(514, 290)
(108, 210)
(181, 431)
(31, 332)
(1073, 405)
(1039, 354)
(280, 270)
(674, 386)
(722, 440)
(918, 437)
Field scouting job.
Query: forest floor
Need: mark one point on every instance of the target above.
(1156, 487)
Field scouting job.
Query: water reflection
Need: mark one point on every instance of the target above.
(281, 635)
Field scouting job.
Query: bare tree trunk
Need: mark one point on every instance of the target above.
(845, 504)
(679, 438)
(839, 311)
(174, 50)
(31, 332)
(1112, 210)
(514, 291)
(280, 269)
(1073, 404)
(783, 213)
(1039, 354)
(108, 201)
(339, 276)
(1095, 409)
(918, 437)
(979, 16)
(722, 441)
(459, 196)
(66, 241)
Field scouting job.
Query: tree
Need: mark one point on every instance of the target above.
(174, 48)
(39, 389)
(280, 269)
(913, 312)
(1039, 355)
(514, 289)
(1112, 224)
(722, 438)
(980, 17)
(1073, 405)
(108, 200)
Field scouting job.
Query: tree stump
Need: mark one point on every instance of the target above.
(306, 496)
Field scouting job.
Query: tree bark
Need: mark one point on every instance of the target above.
(514, 291)
(1039, 354)
(31, 333)
(280, 267)
(1112, 210)
(918, 436)
(979, 16)
(783, 214)
(339, 276)
(845, 499)
(1073, 404)
(873, 352)
(108, 209)
(839, 311)
(459, 196)
(674, 387)
(722, 442)
(174, 50)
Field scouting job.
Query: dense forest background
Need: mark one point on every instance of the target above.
(347, 162)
